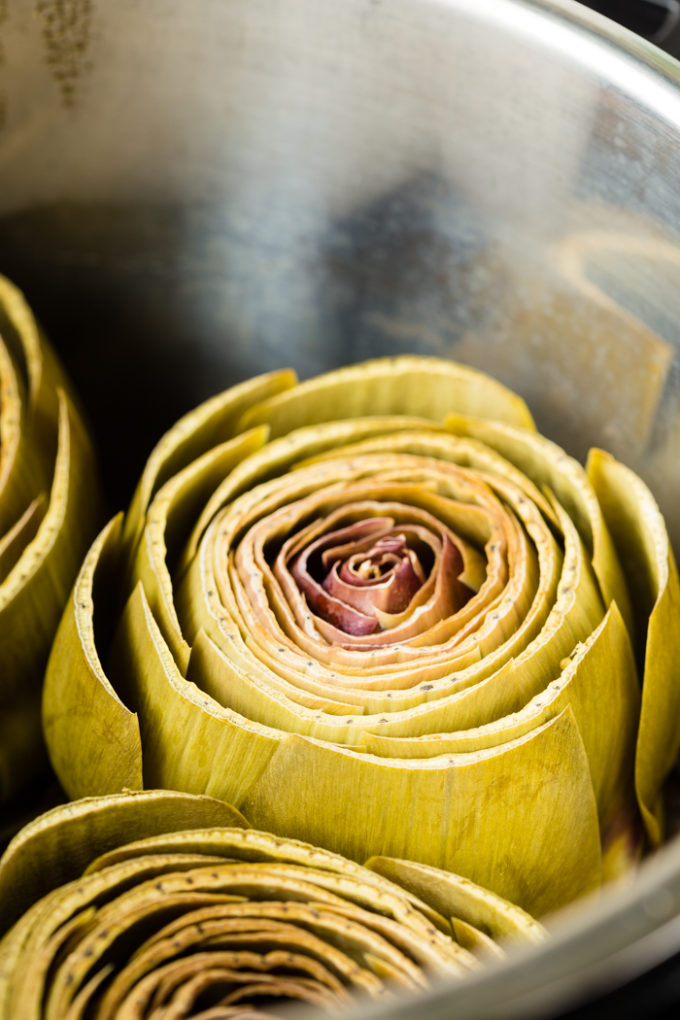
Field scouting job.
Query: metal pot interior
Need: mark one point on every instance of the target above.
(190, 199)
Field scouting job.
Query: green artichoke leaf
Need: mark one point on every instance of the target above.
(136, 915)
(548, 466)
(93, 736)
(34, 591)
(460, 899)
(32, 595)
(29, 949)
(170, 516)
(328, 870)
(512, 803)
(23, 531)
(642, 541)
(37, 367)
(342, 581)
(59, 845)
(24, 470)
(282, 455)
(29, 380)
(416, 386)
(49, 510)
(598, 676)
(189, 741)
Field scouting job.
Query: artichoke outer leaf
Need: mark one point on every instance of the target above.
(602, 679)
(599, 676)
(198, 431)
(92, 736)
(459, 898)
(29, 412)
(642, 540)
(36, 588)
(57, 847)
(189, 741)
(48, 515)
(33, 594)
(416, 386)
(506, 809)
(475, 940)
(36, 363)
(20, 472)
(23, 531)
(33, 388)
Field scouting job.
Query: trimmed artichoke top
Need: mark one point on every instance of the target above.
(165, 904)
(377, 611)
(50, 510)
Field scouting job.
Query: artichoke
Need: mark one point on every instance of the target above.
(166, 904)
(377, 611)
(49, 514)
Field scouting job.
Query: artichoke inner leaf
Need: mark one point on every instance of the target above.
(549, 467)
(172, 509)
(274, 460)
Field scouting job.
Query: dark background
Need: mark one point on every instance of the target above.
(656, 20)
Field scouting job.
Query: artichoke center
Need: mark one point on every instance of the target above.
(364, 577)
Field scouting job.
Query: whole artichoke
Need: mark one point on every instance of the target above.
(161, 903)
(379, 612)
(49, 513)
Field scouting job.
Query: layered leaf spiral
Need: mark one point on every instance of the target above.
(379, 612)
(50, 509)
(161, 904)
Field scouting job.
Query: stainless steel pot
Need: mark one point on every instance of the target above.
(194, 192)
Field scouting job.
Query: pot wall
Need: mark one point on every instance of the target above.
(190, 200)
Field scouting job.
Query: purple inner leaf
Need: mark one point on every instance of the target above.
(353, 574)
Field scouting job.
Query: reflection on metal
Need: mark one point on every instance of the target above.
(65, 26)
(3, 97)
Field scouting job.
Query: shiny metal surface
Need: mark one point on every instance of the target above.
(191, 194)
